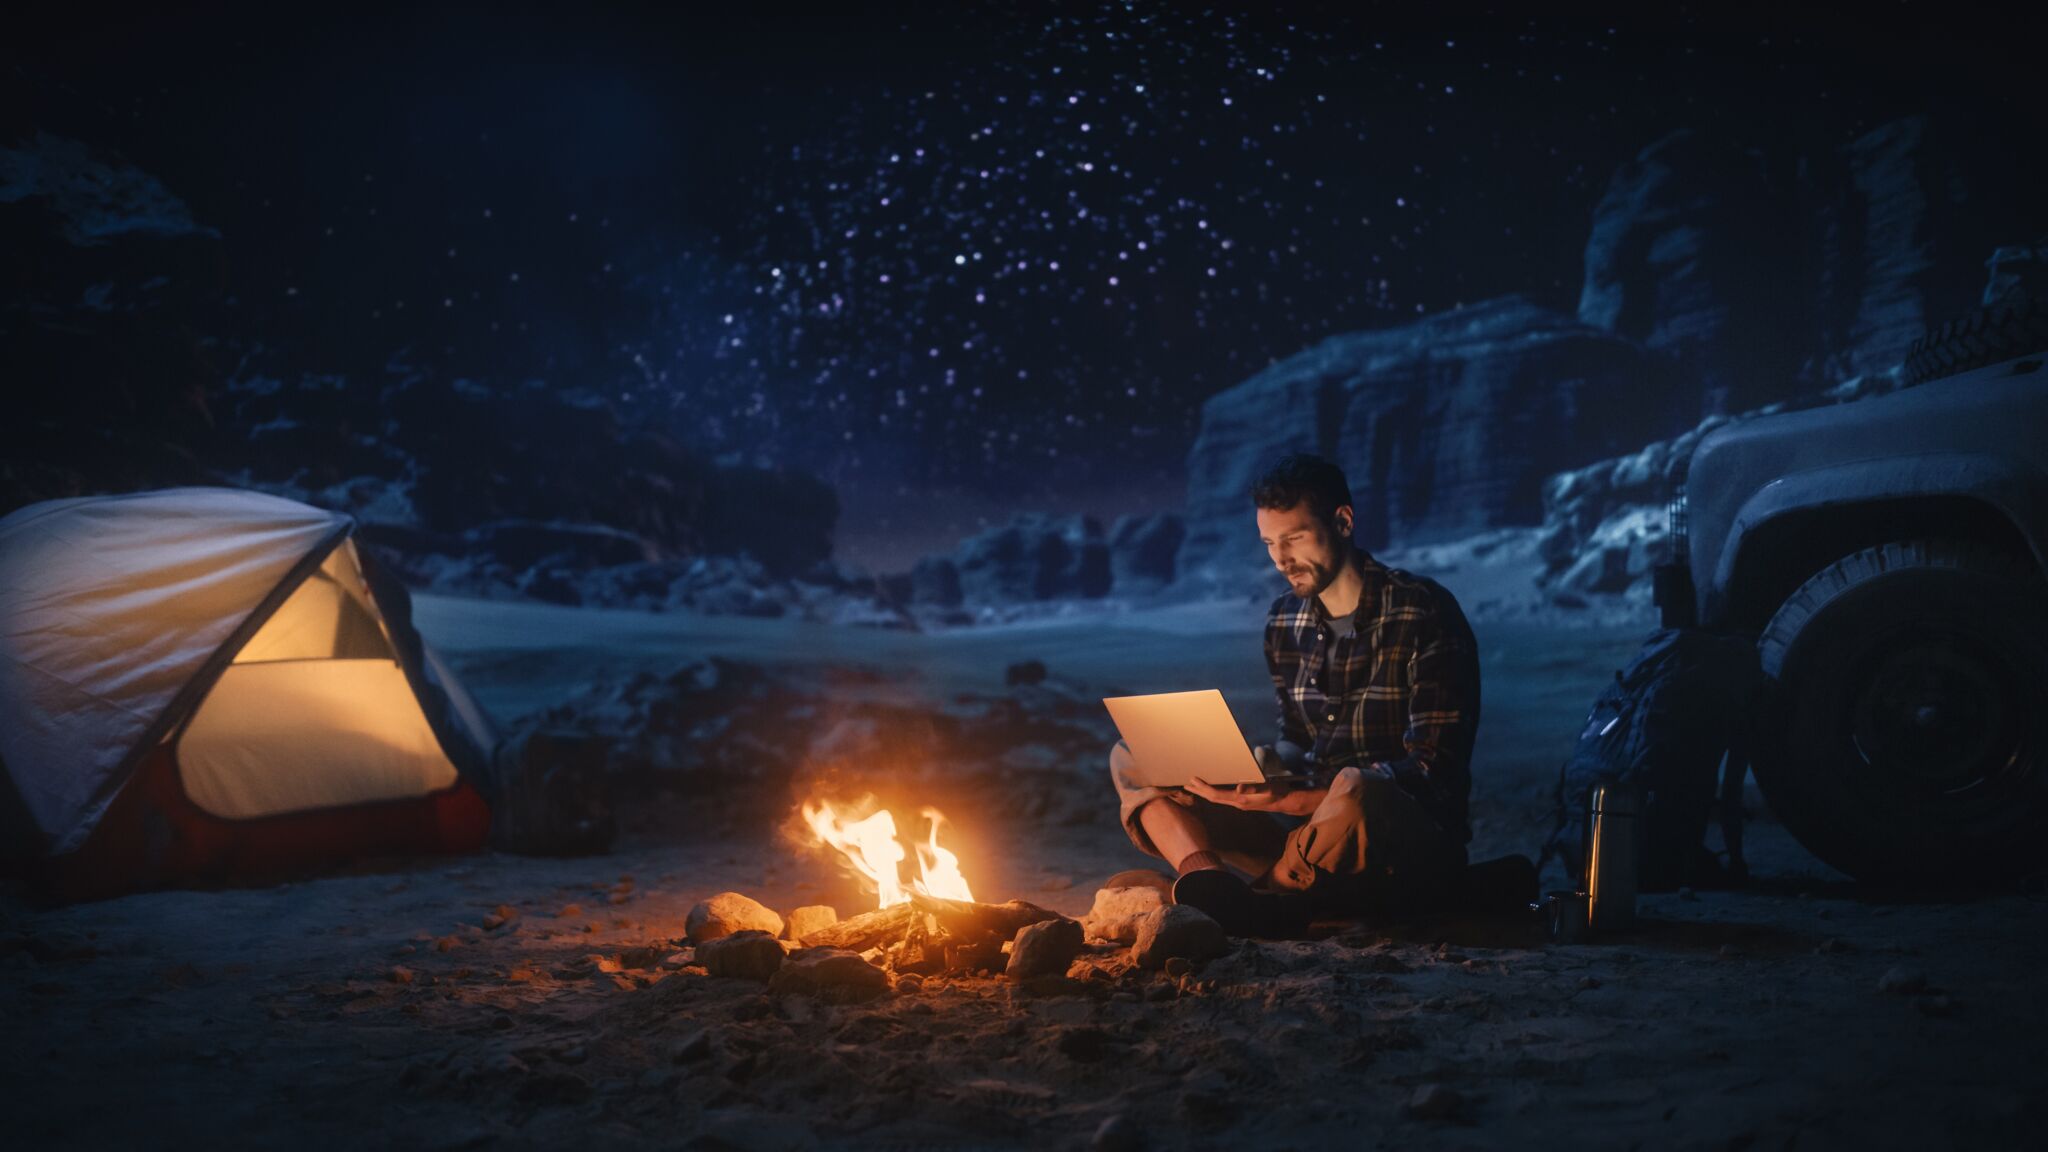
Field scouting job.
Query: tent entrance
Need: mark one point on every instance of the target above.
(315, 712)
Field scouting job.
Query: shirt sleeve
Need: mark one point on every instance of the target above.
(1443, 679)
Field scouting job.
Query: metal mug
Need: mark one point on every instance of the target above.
(1565, 914)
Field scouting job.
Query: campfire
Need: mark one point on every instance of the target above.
(927, 925)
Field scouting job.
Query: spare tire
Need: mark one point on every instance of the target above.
(1986, 335)
(1908, 710)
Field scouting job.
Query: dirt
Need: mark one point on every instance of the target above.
(506, 1002)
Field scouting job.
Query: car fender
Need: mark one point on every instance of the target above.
(2013, 487)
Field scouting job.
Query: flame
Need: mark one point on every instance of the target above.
(869, 846)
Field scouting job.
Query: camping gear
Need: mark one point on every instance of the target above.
(1664, 725)
(1565, 914)
(213, 685)
(1611, 864)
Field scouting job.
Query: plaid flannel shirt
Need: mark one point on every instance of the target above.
(1402, 691)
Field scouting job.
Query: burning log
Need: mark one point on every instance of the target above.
(958, 921)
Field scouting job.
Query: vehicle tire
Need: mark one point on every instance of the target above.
(1903, 731)
(1983, 336)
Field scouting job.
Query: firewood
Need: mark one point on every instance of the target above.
(954, 918)
(867, 930)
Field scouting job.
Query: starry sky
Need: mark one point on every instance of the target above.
(959, 259)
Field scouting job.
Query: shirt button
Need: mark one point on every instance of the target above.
(1311, 679)
(1331, 716)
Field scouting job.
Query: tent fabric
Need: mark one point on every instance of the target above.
(329, 616)
(114, 613)
(298, 735)
(153, 836)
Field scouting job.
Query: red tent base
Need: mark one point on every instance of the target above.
(154, 836)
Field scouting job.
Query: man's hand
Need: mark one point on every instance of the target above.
(1261, 797)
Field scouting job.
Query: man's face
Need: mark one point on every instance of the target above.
(1307, 550)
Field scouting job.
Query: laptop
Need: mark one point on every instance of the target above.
(1179, 736)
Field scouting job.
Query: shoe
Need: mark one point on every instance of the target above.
(1228, 900)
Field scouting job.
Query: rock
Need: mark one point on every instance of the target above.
(1901, 981)
(808, 919)
(1117, 911)
(833, 975)
(1084, 1045)
(1938, 1005)
(1176, 930)
(1043, 949)
(730, 912)
(1691, 255)
(748, 954)
(400, 974)
(1179, 966)
(1445, 427)
(1142, 551)
(1434, 1102)
(935, 580)
(503, 915)
(1117, 1134)
(690, 1049)
(645, 956)
(1034, 557)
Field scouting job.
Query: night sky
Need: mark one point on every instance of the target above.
(958, 260)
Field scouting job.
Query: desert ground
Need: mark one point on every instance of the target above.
(498, 1001)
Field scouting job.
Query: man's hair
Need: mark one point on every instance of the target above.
(1300, 476)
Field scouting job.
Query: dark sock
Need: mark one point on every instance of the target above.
(1196, 861)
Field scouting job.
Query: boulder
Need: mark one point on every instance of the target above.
(1176, 930)
(808, 919)
(727, 913)
(1044, 949)
(1117, 911)
(748, 954)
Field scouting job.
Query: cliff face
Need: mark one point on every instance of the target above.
(1687, 257)
(1445, 427)
(1761, 278)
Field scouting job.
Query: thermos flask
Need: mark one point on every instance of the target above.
(1611, 862)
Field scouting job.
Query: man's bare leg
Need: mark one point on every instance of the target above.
(1174, 831)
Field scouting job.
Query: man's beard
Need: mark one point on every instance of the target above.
(1316, 576)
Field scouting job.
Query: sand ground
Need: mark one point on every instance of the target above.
(377, 1008)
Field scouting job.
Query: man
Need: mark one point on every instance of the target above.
(1377, 678)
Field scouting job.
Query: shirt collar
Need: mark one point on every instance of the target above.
(1369, 569)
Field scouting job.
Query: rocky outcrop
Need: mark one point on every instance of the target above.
(1764, 277)
(1142, 551)
(493, 488)
(1445, 427)
(1687, 257)
(1033, 557)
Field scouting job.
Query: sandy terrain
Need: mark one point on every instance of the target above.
(392, 1007)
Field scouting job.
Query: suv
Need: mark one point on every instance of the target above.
(1888, 558)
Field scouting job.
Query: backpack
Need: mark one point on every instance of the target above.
(1662, 728)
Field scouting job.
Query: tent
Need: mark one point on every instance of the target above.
(212, 685)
